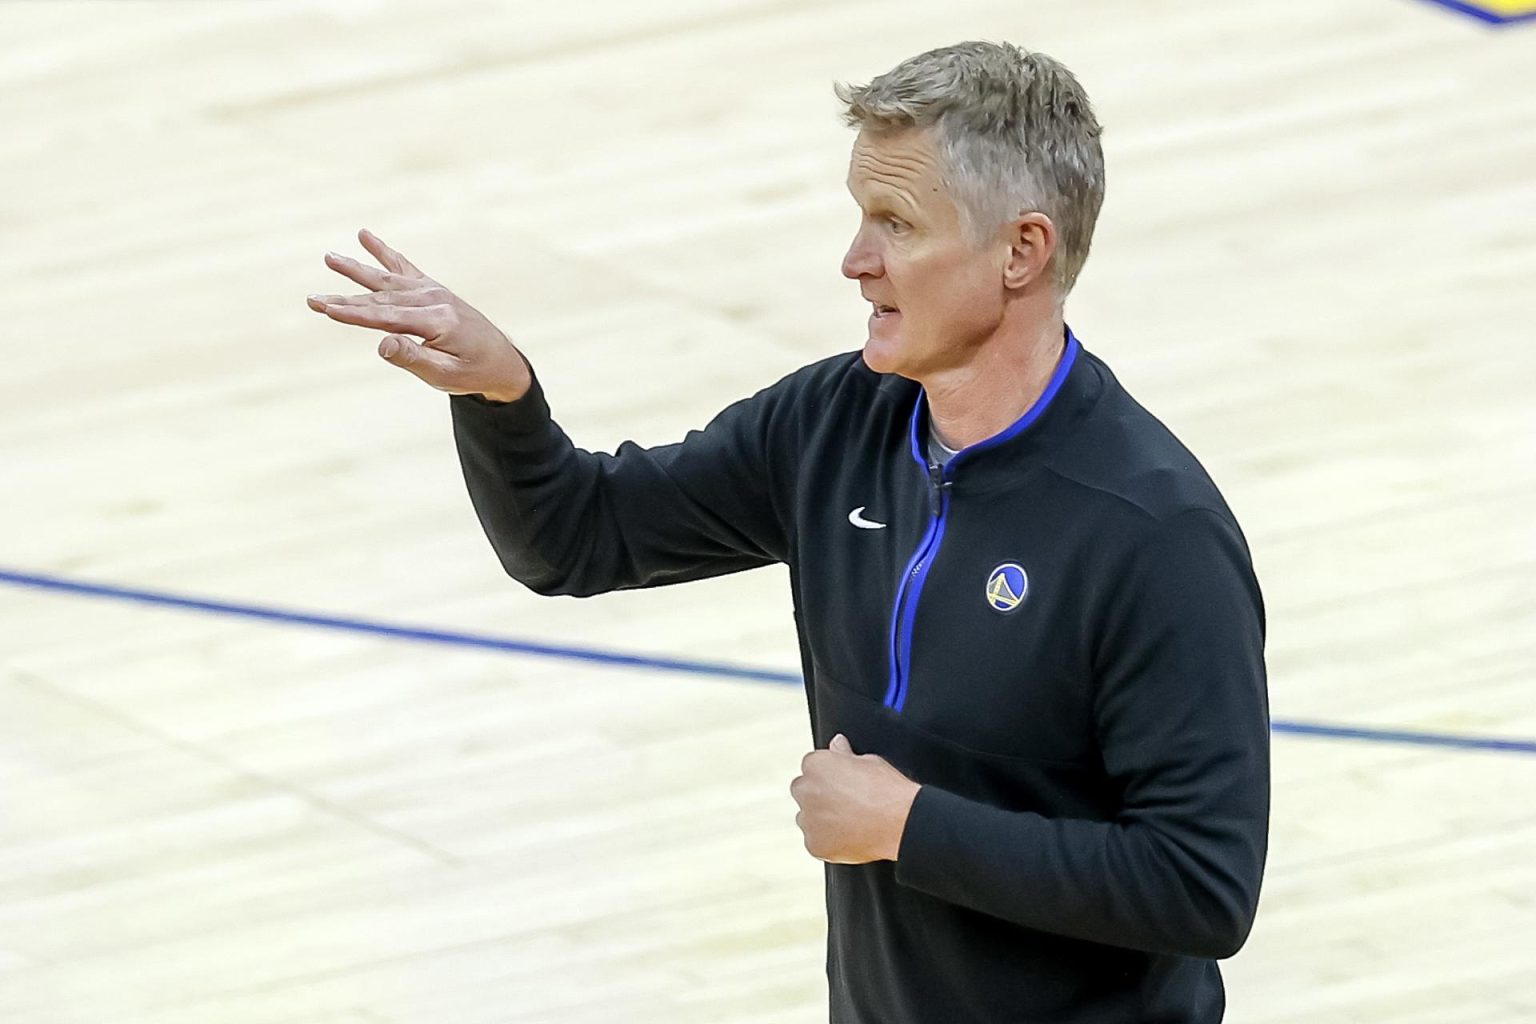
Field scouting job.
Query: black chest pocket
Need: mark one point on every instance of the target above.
(999, 662)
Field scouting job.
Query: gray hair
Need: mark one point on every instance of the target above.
(1014, 131)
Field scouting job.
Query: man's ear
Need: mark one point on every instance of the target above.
(1031, 244)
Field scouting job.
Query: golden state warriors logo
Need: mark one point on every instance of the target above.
(1007, 587)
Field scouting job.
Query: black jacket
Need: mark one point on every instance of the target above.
(1059, 635)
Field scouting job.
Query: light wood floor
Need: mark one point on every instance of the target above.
(1316, 263)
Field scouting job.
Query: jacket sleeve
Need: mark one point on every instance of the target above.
(1183, 726)
(568, 521)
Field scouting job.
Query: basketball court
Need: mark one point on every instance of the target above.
(281, 744)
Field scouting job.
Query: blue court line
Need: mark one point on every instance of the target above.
(1483, 14)
(596, 655)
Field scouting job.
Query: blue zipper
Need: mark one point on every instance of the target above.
(910, 590)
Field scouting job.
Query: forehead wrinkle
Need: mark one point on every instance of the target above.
(900, 173)
(891, 168)
(877, 185)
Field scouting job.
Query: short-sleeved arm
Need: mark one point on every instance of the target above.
(567, 521)
(1183, 728)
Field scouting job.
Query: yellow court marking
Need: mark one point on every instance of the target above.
(1496, 12)
(1508, 8)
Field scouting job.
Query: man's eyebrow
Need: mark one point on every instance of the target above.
(882, 196)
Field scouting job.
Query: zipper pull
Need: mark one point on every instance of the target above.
(936, 485)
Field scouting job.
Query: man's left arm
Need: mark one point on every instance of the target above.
(1183, 721)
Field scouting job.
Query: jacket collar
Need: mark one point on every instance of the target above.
(1072, 385)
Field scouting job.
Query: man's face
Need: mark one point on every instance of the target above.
(936, 295)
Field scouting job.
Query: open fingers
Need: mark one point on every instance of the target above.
(413, 297)
(369, 277)
(391, 259)
(421, 321)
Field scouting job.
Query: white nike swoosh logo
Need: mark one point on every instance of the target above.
(856, 517)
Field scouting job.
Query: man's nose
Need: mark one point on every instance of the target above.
(862, 259)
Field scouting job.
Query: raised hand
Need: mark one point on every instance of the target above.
(460, 351)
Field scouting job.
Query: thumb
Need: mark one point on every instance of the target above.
(406, 353)
(398, 350)
(840, 744)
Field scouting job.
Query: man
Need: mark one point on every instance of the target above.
(1031, 635)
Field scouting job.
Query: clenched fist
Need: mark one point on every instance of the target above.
(853, 807)
(460, 351)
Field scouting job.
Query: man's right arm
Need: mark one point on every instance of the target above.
(563, 520)
(567, 521)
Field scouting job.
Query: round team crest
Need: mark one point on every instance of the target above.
(1007, 587)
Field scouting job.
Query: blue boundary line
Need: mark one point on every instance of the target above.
(1487, 17)
(684, 665)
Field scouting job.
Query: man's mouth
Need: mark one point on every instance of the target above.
(883, 310)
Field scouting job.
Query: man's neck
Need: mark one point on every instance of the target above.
(970, 403)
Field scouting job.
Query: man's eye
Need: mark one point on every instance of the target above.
(896, 224)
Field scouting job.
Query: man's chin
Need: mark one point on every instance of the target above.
(881, 356)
